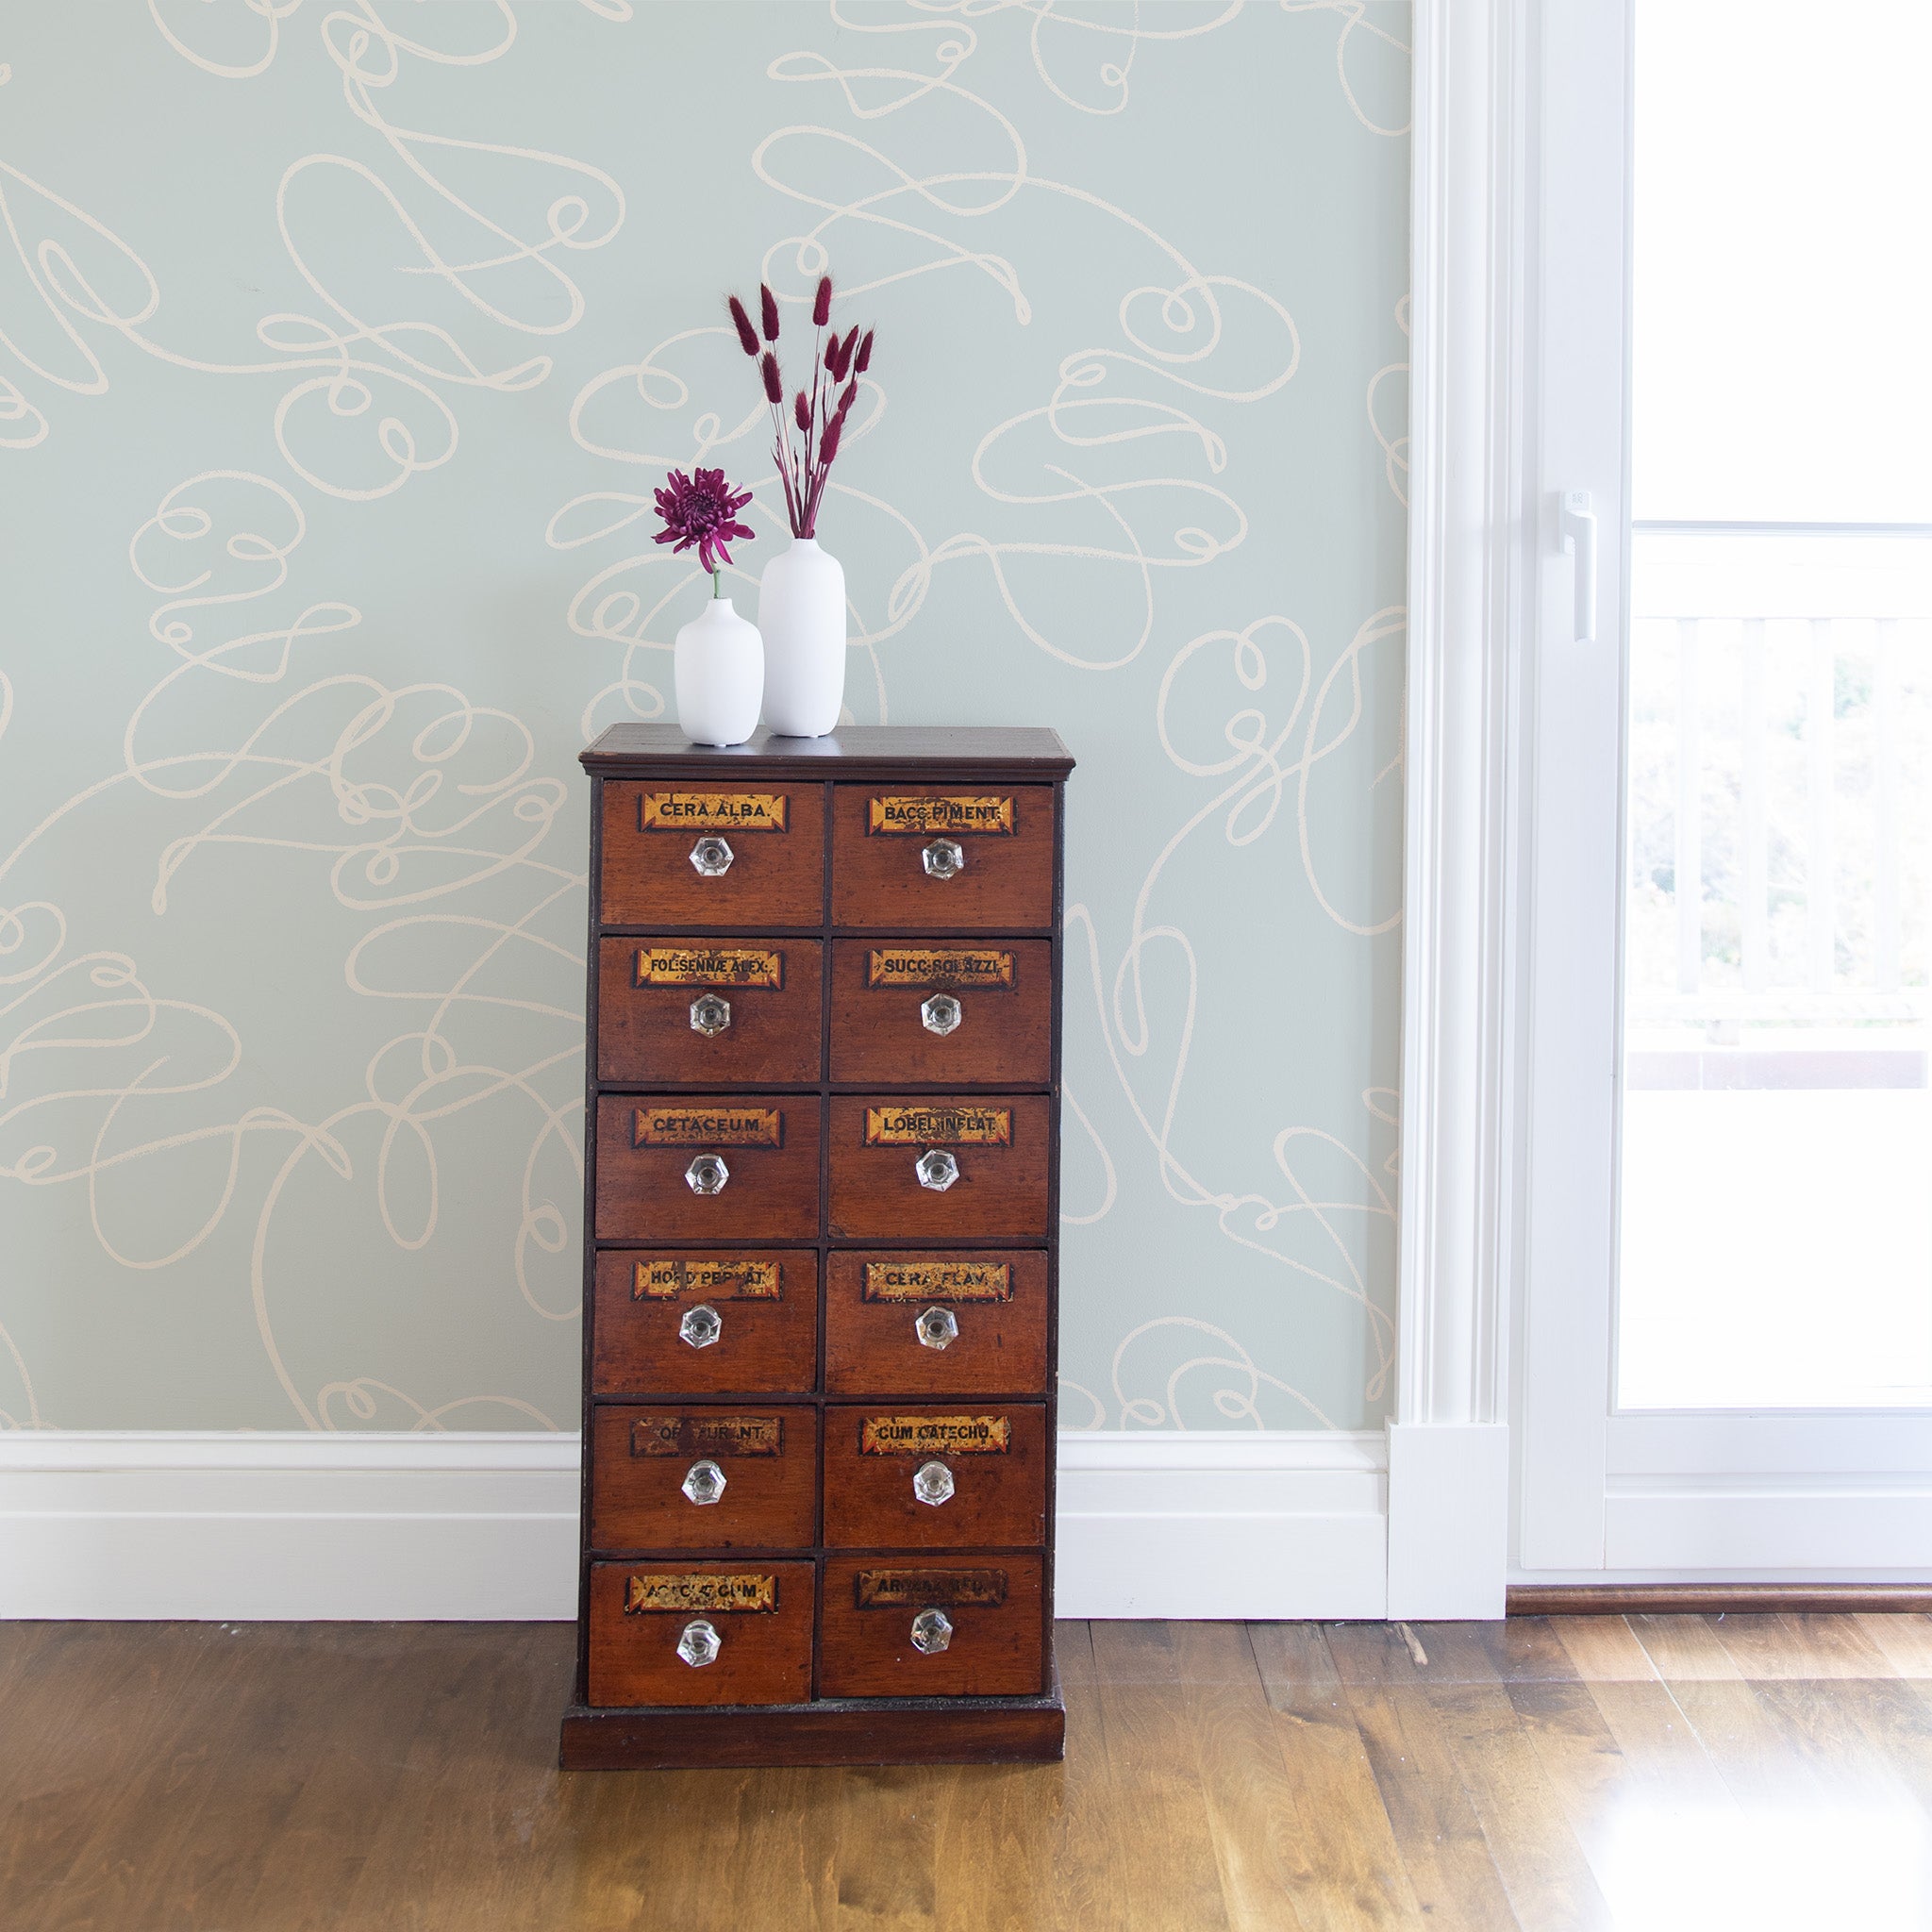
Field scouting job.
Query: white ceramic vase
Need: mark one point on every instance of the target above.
(802, 614)
(719, 670)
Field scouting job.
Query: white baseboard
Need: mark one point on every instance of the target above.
(300, 1525)
(1448, 1520)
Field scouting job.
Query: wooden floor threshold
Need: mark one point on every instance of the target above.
(1715, 1599)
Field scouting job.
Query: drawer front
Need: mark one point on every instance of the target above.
(657, 1177)
(910, 1627)
(723, 1478)
(706, 1322)
(953, 1166)
(983, 1469)
(942, 1011)
(700, 1633)
(938, 1323)
(770, 871)
(695, 1011)
(942, 858)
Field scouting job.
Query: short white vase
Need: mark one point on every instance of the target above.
(802, 614)
(720, 669)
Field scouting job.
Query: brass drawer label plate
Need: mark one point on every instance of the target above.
(937, 1281)
(911, 1589)
(704, 1592)
(712, 811)
(926, 966)
(708, 1126)
(938, 1126)
(707, 1435)
(922, 817)
(709, 966)
(717, 1281)
(935, 1435)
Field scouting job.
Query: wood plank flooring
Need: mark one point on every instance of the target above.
(1644, 1772)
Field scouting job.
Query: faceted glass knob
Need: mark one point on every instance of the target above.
(944, 858)
(932, 1482)
(707, 1175)
(942, 1015)
(710, 1014)
(704, 1482)
(699, 1645)
(712, 858)
(931, 1630)
(935, 1328)
(936, 1167)
(702, 1325)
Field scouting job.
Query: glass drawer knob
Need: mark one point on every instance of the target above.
(701, 1325)
(712, 858)
(936, 1328)
(704, 1482)
(931, 1630)
(936, 1168)
(710, 1014)
(944, 858)
(942, 1015)
(932, 1482)
(707, 1175)
(699, 1645)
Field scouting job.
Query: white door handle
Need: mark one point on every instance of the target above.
(1578, 523)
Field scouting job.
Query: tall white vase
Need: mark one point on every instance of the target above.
(719, 670)
(802, 614)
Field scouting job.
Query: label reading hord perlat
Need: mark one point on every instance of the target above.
(925, 816)
(708, 1126)
(928, 966)
(707, 1435)
(664, 1278)
(939, 1281)
(947, 1589)
(709, 966)
(712, 811)
(935, 1435)
(938, 1126)
(702, 1590)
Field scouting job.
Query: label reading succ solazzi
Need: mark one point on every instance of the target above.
(938, 1126)
(939, 1281)
(935, 1435)
(709, 966)
(707, 1435)
(925, 816)
(665, 1278)
(701, 1592)
(712, 811)
(927, 966)
(708, 1126)
(946, 1589)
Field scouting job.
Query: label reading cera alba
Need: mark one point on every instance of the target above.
(712, 811)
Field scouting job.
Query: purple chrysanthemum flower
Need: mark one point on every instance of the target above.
(702, 509)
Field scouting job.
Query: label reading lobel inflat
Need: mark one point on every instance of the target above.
(938, 1126)
(935, 1435)
(709, 966)
(712, 811)
(664, 1280)
(950, 1590)
(702, 1591)
(708, 1126)
(939, 1281)
(922, 817)
(925, 966)
(707, 1435)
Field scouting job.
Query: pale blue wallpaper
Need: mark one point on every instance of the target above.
(341, 347)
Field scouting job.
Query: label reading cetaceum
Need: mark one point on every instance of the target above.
(708, 1126)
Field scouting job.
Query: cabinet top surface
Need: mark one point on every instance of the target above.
(855, 751)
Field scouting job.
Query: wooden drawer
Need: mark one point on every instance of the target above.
(650, 1330)
(644, 1459)
(879, 1303)
(991, 1634)
(769, 1144)
(996, 1457)
(760, 1614)
(997, 1146)
(995, 1002)
(697, 1012)
(776, 839)
(880, 834)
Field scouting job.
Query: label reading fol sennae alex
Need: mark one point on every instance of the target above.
(924, 966)
(898, 1589)
(925, 816)
(665, 1278)
(708, 1126)
(707, 1435)
(712, 811)
(935, 1435)
(703, 1591)
(938, 1126)
(710, 966)
(941, 1281)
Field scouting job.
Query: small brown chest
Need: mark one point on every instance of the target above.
(821, 1195)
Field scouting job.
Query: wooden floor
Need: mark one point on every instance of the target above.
(1644, 1772)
